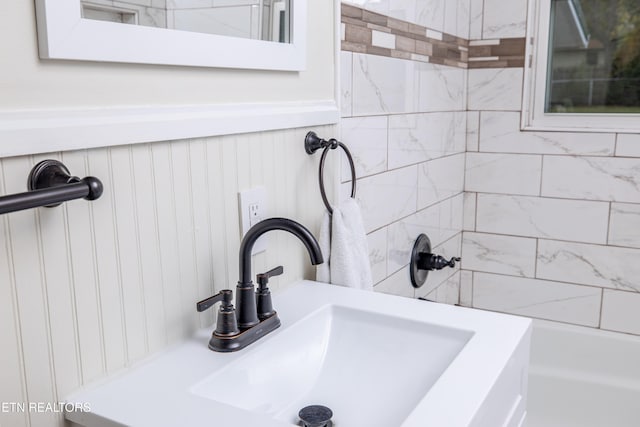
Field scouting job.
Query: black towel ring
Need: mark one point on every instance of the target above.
(313, 143)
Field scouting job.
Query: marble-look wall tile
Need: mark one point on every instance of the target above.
(504, 19)
(378, 254)
(462, 15)
(476, 10)
(503, 173)
(575, 220)
(592, 178)
(366, 138)
(446, 293)
(469, 214)
(441, 88)
(455, 12)
(450, 17)
(473, 130)
(490, 253)
(387, 197)
(500, 132)
(346, 73)
(537, 298)
(400, 9)
(621, 312)
(624, 225)
(628, 145)
(404, 10)
(488, 89)
(450, 221)
(415, 138)
(466, 288)
(440, 222)
(440, 179)
(399, 283)
(430, 14)
(383, 85)
(595, 265)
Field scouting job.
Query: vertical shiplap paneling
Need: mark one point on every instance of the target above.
(87, 299)
(292, 183)
(52, 225)
(278, 201)
(216, 210)
(255, 165)
(229, 165)
(31, 295)
(144, 194)
(181, 172)
(12, 386)
(127, 253)
(167, 234)
(264, 151)
(201, 226)
(106, 258)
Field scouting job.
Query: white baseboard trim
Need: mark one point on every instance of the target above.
(42, 131)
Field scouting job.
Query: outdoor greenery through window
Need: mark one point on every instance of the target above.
(594, 59)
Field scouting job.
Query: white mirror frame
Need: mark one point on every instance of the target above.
(63, 34)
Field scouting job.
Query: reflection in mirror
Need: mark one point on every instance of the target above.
(268, 20)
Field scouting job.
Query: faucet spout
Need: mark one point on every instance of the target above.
(285, 224)
(245, 297)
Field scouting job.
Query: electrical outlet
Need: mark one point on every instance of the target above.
(255, 214)
(252, 205)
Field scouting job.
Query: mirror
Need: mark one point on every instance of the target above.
(252, 34)
(250, 19)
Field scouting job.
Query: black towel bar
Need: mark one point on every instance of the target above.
(50, 184)
(313, 143)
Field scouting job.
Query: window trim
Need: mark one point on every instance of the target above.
(535, 86)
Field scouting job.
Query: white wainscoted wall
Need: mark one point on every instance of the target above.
(552, 219)
(88, 288)
(404, 120)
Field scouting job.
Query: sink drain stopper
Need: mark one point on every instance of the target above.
(315, 416)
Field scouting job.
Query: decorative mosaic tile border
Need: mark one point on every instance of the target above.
(368, 32)
(496, 53)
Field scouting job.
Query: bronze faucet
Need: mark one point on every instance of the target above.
(253, 316)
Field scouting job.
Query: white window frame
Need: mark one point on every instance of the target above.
(64, 34)
(535, 86)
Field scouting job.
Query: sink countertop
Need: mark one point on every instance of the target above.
(159, 390)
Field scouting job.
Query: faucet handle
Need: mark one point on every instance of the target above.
(226, 324)
(263, 278)
(225, 296)
(264, 306)
(452, 262)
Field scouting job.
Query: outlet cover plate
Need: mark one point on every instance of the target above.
(252, 205)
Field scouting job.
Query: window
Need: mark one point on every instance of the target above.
(585, 65)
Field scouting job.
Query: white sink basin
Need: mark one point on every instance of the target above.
(374, 359)
(346, 359)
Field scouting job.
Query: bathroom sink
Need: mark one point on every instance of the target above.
(373, 359)
(347, 359)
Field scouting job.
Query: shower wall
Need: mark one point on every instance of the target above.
(404, 76)
(552, 219)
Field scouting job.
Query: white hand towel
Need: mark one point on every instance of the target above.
(344, 246)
